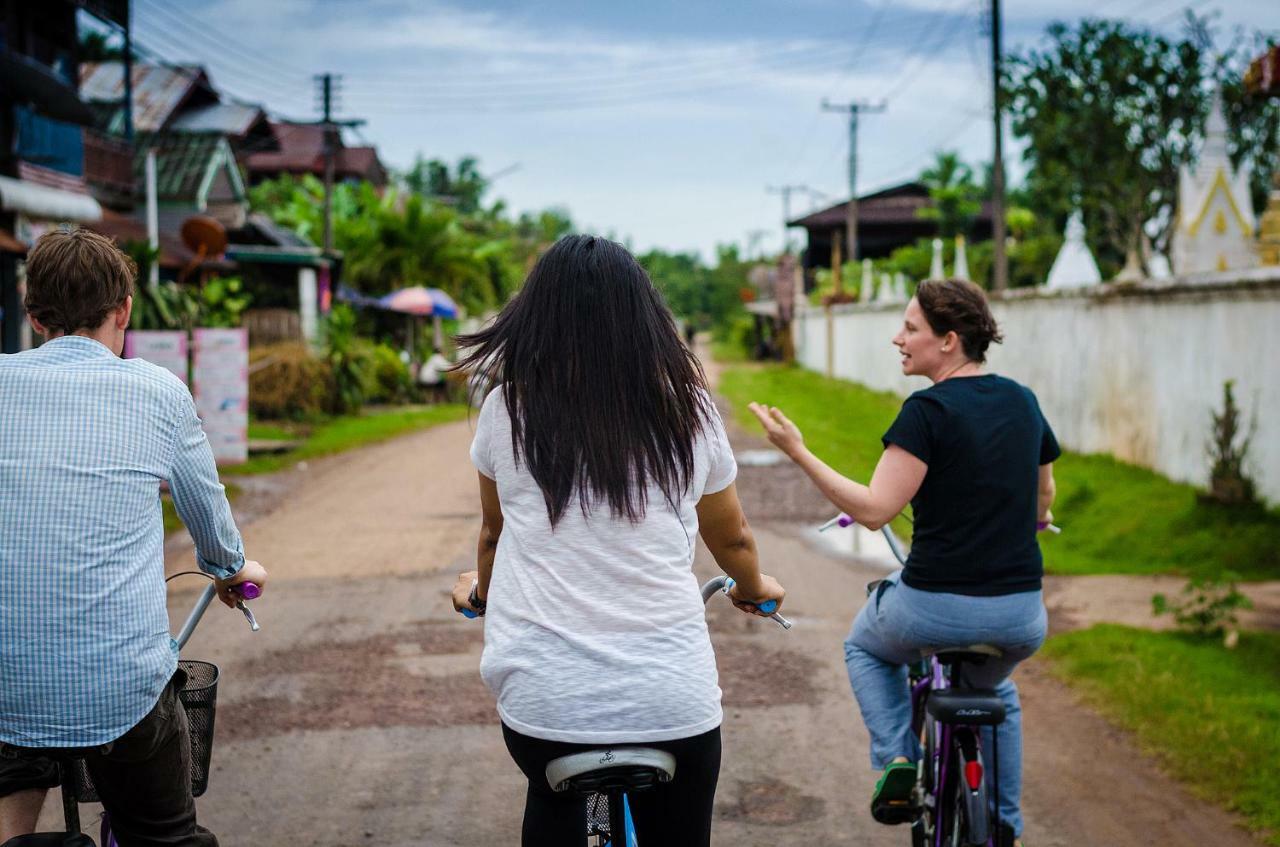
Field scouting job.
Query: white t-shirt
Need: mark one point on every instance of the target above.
(596, 633)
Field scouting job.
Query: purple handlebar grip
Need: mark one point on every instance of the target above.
(247, 590)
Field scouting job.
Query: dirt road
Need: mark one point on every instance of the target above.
(356, 715)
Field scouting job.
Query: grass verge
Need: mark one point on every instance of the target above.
(325, 438)
(338, 434)
(1207, 713)
(1116, 518)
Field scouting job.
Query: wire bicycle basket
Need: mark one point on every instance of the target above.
(199, 697)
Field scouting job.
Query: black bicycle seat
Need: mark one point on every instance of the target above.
(975, 654)
(50, 839)
(620, 769)
(976, 706)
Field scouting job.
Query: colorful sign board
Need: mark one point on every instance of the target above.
(160, 347)
(220, 379)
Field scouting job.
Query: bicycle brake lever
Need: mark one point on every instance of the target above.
(253, 623)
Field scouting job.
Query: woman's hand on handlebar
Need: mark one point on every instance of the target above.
(251, 572)
(767, 589)
(782, 433)
(462, 593)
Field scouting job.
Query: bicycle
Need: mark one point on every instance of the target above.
(606, 776)
(950, 805)
(198, 697)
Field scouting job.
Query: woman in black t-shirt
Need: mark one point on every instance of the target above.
(974, 456)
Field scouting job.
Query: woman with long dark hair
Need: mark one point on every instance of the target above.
(600, 458)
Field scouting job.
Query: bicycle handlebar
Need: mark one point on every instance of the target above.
(895, 543)
(720, 584)
(246, 591)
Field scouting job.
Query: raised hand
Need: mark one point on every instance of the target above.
(782, 433)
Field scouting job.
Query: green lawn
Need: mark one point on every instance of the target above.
(275, 431)
(343, 433)
(1207, 713)
(1115, 518)
(325, 438)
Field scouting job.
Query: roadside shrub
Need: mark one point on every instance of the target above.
(391, 382)
(1205, 607)
(1228, 448)
(351, 362)
(736, 337)
(287, 381)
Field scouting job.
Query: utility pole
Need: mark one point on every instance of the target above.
(1000, 274)
(851, 218)
(785, 191)
(331, 141)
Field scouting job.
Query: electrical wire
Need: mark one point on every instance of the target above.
(213, 37)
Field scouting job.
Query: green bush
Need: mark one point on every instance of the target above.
(733, 339)
(391, 382)
(287, 381)
(351, 362)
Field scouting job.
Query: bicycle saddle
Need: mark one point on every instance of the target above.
(622, 768)
(974, 654)
(974, 706)
(50, 839)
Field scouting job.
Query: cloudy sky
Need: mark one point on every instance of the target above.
(660, 122)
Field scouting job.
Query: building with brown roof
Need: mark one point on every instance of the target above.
(887, 219)
(302, 152)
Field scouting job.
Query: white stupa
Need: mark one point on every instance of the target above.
(900, 287)
(962, 261)
(1158, 266)
(935, 267)
(884, 291)
(1075, 266)
(1215, 227)
(868, 282)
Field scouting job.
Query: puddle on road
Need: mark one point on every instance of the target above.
(771, 802)
(857, 541)
(760, 458)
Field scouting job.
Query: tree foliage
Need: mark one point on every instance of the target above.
(957, 199)
(460, 187)
(705, 296)
(1110, 111)
(396, 239)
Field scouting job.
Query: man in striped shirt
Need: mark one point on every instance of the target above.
(86, 659)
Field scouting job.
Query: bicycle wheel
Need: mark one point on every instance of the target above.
(969, 819)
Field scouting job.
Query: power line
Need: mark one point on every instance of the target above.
(853, 110)
(796, 56)
(808, 134)
(239, 76)
(214, 37)
(925, 58)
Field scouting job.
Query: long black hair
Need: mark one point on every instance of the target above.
(604, 397)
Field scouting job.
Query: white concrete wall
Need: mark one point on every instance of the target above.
(1133, 372)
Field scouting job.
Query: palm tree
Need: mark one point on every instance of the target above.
(954, 194)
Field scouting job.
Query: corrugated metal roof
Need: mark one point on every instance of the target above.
(182, 160)
(158, 90)
(224, 118)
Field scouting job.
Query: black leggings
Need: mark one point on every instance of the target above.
(674, 814)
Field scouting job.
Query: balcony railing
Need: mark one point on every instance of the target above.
(108, 163)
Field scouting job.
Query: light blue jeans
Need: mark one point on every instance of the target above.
(899, 621)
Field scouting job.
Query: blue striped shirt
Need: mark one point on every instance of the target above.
(85, 440)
